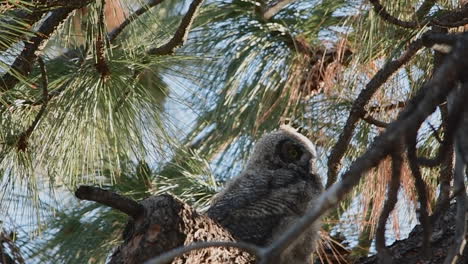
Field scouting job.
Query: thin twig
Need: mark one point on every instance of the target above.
(180, 36)
(386, 108)
(392, 198)
(357, 110)
(111, 199)
(371, 120)
(273, 10)
(380, 10)
(146, 7)
(22, 143)
(170, 255)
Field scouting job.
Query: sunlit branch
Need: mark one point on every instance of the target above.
(180, 36)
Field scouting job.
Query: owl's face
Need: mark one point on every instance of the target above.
(284, 148)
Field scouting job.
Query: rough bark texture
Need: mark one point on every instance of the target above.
(169, 223)
(408, 251)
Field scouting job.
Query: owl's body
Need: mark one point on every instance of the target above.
(277, 187)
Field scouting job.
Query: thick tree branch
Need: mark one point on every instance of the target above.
(180, 36)
(113, 200)
(152, 3)
(357, 110)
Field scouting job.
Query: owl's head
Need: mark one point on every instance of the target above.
(283, 147)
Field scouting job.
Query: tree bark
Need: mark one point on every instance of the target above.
(169, 223)
(409, 251)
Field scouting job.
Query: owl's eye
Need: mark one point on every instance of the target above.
(289, 152)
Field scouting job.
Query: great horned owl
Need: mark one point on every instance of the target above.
(276, 188)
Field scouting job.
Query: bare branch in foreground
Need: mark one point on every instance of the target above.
(460, 226)
(357, 110)
(113, 200)
(421, 189)
(459, 176)
(180, 36)
(435, 92)
(392, 198)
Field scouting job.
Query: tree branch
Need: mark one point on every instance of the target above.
(180, 36)
(113, 200)
(435, 92)
(392, 198)
(152, 3)
(23, 64)
(371, 120)
(22, 143)
(273, 10)
(380, 10)
(357, 110)
(421, 189)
